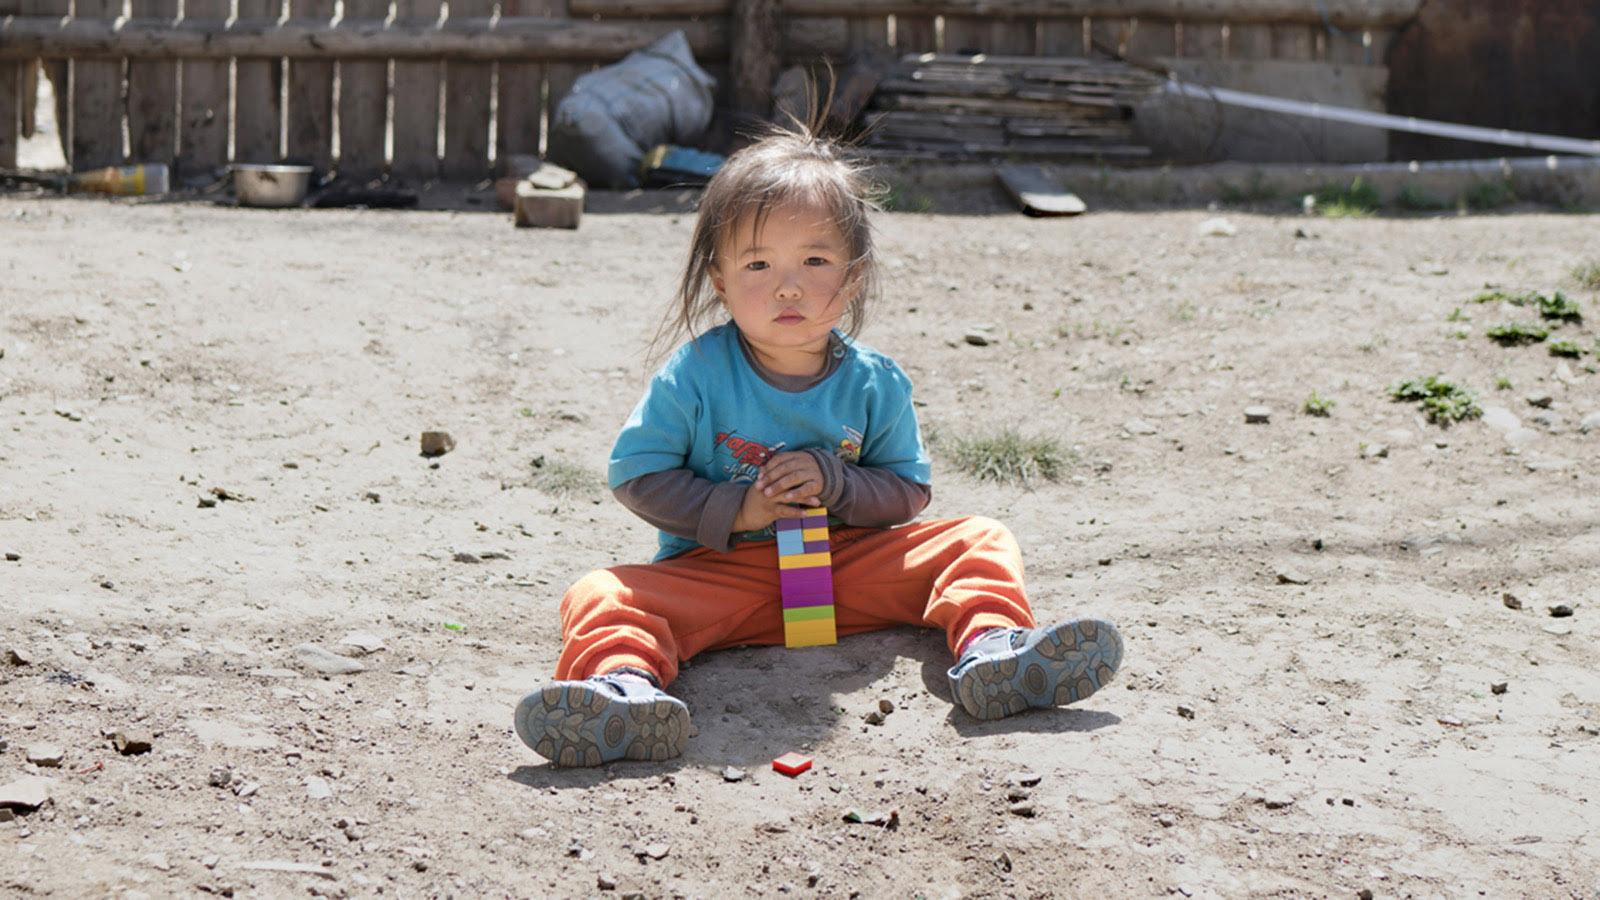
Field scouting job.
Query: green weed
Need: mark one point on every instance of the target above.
(1512, 333)
(1444, 402)
(1566, 348)
(1587, 273)
(1356, 201)
(1458, 315)
(1416, 199)
(1486, 195)
(1010, 457)
(1559, 307)
(1318, 405)
(1502, 382)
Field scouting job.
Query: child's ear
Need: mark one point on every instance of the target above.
(717, 283)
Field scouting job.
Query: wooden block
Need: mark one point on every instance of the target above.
(808, 613)
(810, 580)
(1038, 193)
(540, 208)
(814, 533)
(790, 543)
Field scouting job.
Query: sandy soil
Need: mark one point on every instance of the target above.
(209, 434)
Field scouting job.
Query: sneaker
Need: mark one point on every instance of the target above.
(1008, 670)
(602, 719)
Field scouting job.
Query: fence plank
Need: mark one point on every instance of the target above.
(1201, 40)
(310, 113)
(1356, 13)
(363, 99)
(96, 98)
(153, 94)
(559, 76)
(915, 34)
(519, 86)
(203, 125)
(1152, 38)
(1249, 41)
(466, 103)
(1373, 50)
(1061, 37)
(1296, 43)
(871, 33)
(416, 101)
(10, 109)
(1109, 34)
(257, 102)
(1011, 37)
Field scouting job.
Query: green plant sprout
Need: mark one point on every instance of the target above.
(1445, 402)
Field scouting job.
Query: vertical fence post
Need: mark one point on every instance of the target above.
(10, 98)
(153, 94)
(753, 56)
(519, 87)
(310, 117)
(59, 73)
(416, 101)
(558, 76)
(258, 111)
(1061, 37)
(363, 99)
(466, 101)
(204, 126)
(96, 98)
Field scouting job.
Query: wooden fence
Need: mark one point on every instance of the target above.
(442, 88)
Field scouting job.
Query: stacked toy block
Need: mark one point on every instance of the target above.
(805, 574)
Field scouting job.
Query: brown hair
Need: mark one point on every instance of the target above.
(783, 166)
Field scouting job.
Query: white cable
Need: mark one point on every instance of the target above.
(1550, 142)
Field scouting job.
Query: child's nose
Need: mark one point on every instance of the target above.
(789, 288)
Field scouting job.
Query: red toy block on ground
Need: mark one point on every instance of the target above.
(792, 763)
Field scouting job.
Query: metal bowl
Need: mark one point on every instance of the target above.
(259, 185)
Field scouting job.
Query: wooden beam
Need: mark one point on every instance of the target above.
(258, 107)
(310, 114)
(753, 56)
(1340, 12)
(363, 99)
(10, 110)
(153, 96)
(204, 122)
(416, 101)
(24, 37)
(97, 99)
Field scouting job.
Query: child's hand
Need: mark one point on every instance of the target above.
(788, 484)
(792, 477)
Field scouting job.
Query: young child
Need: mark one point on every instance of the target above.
(754, 420)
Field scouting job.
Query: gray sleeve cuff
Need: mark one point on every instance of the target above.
(716, 519)
(832, 476)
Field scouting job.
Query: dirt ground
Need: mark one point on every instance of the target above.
(209, 434)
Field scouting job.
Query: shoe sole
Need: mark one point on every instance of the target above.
(1052, 668)
(576, 724)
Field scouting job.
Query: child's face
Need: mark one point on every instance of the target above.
(784, 285)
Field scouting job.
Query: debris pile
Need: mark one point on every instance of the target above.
(932, 106)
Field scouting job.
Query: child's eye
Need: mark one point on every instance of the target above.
(816, 261)
(756, 265)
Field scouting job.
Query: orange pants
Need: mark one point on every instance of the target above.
(961, 575)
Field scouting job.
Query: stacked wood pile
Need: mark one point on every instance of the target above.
(932, 106)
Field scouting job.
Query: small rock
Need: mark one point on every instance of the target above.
(873, 718)
(326, 662)
(1500, 418)
(1022, 808)
(1374, 451)
(885, 705)
(1590, 422)
(976, 338)
(1166, 820)
(732, 708)
(220, 777)
(1541, 400)
(18, 657)
(1138, 426)
(1257, 415)
(318, 789)
(1024, 778)
(45, 756)
(1186, 711)
(71, 415)
(1560, 610)
(605, 882)
(27, 792)
(359, 643)
(1499, 687)
(657, 850)
(13, 557)
(1217, 227)
(465, 557)
(437, 443)
(132, 741)
(732, 773)
(1292, 576)
(1364, 894)
(1277, 801)
(1510, 600)
(1017, 795)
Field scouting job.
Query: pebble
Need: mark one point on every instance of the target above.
(1510, 600)
(885, 705)
(1560, 610)
(1257, 415)
(27, 792)
(1167, 820)
(873, 718)
(1217, 227)
(1138, 426)
(18, 657)
(1277, 801)
(1186, 711)
(976, 338)
(220, 776)
(360, 643)
(1589, 423)
(732, 773)
(12, 556)
(45, 756)
(1500, 418)
(1541, 400)
(1499, 687)
(1292, 576)
(437, 443)
(132, 741)
(605, 882)
(1374, 451)
(1024, 778)
(656, 850)
(318, 789)
(1023, 808)
(328, 663)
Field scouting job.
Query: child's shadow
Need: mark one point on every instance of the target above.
(746, 701)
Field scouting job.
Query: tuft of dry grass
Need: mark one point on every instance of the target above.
(1010, 457)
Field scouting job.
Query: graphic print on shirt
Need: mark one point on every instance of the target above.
(748, 455)
(849, 449)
